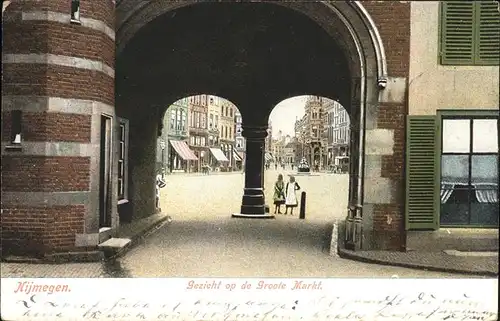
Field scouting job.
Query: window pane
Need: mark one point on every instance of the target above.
(456, 136)
(455, 169)
(455, 210)
(484, 170)
(122, 150)
(485, 136)
(485, 214)
(122, 132)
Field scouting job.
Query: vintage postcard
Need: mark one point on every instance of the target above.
(250, 160)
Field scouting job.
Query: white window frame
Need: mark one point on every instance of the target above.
(125, 123)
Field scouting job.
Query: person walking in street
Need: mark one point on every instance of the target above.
(160, 183)
(279, 196)
(290, 195)
(275, 166)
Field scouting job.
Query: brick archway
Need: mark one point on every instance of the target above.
(376, 197)
(376, 180)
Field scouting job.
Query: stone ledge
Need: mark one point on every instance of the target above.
(439, 262)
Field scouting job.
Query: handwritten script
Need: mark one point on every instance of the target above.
(420, 306)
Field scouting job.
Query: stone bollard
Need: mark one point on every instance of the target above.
(302, 214)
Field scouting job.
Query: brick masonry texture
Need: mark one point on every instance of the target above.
(57, 81)
(58, 39)
(45, 174)
(389, 236)
(102, 10)
(50, 127)
(46, 229)
(38, 230)
(392, 19)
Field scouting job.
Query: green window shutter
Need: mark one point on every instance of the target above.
(420, 173)
(457, 32)
(487, 33)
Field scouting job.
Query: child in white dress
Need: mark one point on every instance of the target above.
(290, 195)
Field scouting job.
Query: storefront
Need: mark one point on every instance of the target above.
(238, 160)
(181, 156)
(218, 161)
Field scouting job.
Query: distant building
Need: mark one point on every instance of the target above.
(315, 142)
(269, 157)
(337, 128)
(198, 130)
(240, 141)
(173, 153)
(341, 131)
(227, 133)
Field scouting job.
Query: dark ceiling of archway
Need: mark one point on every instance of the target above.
(250, 53)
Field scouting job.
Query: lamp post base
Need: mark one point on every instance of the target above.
(260, 216)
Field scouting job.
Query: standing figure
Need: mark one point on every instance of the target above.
(290, 195)
(279, 195)
(160, 183)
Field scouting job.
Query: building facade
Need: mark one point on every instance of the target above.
(227, 133)
(418, 84)
(337, 130)
(300, 134)
(172, 152)
(452, 130)
(198, 130)
(268, 145)
(315, 142)
(240, 141)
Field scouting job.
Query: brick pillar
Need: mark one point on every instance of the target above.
(58, 76)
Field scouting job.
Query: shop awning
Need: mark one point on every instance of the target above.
(219, 155)
(182, 149)
(237, 157)
(268, 157)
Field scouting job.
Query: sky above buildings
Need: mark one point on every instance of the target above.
(285, 113)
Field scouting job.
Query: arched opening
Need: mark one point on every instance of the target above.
(200, 154)
(253, 54)
(310, 139)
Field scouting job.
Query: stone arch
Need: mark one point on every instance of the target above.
(133, 15)
(350, 26)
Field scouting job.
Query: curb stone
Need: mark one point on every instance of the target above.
(348, 255)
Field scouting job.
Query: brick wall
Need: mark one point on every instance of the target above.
(392, 19)
(28, 173)
(102, 10)
(50, 127)
(57, 81)
(39, 230)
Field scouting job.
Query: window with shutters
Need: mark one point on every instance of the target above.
(470, 33)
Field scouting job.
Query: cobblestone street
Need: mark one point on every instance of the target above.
(203, 240)
(219, 195)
